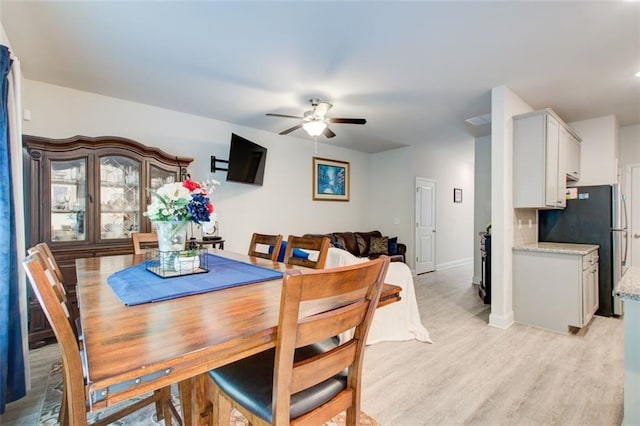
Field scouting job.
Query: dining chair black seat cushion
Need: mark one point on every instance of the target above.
(250, 383)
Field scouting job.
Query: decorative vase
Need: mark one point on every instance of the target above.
(171, 235)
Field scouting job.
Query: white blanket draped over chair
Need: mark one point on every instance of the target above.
(397, 321)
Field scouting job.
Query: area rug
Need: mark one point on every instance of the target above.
(146, 416)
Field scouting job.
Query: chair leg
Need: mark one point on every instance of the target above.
(353, 416)
(221, 408)
(63, 417)
(159, 404)
(166, 403)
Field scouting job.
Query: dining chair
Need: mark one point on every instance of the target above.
(308, 378)
(144, 241)
(317, 244)
(48, 256)
(260, 240)
(75, 406)
(49, 264)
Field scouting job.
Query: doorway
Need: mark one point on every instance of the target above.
(425, 225)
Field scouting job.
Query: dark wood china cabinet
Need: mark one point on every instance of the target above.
(85, 196)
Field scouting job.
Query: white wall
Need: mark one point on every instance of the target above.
(482, 201)
(451, 165)
(3, 35)
(599, 150)
(629, 147)
(629, 156)
(391, 196)
(283, 205)
(504, 105)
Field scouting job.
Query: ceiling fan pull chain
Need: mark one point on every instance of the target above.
(315, 144)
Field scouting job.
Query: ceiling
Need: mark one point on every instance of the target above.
(414, 70)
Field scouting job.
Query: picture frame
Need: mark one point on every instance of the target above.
(330, 180)
(457, 195)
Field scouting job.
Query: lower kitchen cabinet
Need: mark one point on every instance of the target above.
(555, 285)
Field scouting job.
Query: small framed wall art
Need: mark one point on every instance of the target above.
(457, 195)
(330, 179)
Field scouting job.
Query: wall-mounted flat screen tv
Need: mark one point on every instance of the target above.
(246, 161)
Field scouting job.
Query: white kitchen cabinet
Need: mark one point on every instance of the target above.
(555, 285)
(572, 153)
(539, 160)
(589, 286)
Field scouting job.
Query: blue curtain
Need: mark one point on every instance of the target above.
(12, 380)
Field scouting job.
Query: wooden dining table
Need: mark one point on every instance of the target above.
(131, 350)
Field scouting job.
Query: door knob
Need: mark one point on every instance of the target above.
(636, 235)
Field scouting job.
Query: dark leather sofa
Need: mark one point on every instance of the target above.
(359, 244)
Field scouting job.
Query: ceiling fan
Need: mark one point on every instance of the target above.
(315, 120)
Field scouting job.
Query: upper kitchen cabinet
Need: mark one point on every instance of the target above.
(572, 152)
(540, 141)
(86, 196)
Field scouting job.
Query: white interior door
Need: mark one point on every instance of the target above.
(425, 225)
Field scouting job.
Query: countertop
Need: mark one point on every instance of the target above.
(562, 248)
(629, 286)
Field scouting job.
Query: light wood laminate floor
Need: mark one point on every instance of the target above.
(472, 374)
(479, 375)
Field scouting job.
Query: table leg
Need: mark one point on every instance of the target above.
(202, 405)
(186, 401)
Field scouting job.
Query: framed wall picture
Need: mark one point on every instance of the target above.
(457, 195)
(330, 179)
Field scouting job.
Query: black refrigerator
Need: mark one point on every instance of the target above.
(594, 215)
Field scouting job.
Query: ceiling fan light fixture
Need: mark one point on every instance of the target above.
(314, 128)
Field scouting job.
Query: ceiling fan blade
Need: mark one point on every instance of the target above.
(283, 115)
(291, 129)
(322, 108)
(347, 120)
(328, 133)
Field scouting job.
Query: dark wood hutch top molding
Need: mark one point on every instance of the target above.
(79, 141)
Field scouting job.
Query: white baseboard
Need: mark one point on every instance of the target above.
(454, 264)
(501, 321)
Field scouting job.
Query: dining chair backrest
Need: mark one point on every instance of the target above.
(348, 296)
(59, 319)
(44, 249)
(74, 404)
(49, 265)
(52, 276)
(144, 241)
(313, 243)
(260, 241)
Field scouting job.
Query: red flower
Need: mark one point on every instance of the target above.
(210, 208)
(190, 185)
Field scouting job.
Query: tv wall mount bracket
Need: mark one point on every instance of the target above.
(214, 164)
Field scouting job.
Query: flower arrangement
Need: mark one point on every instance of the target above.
(185, 201)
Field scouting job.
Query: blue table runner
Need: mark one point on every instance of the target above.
(136, 285)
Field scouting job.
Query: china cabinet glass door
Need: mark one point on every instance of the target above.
(120, 213)
(68, 200)
(158, 176)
